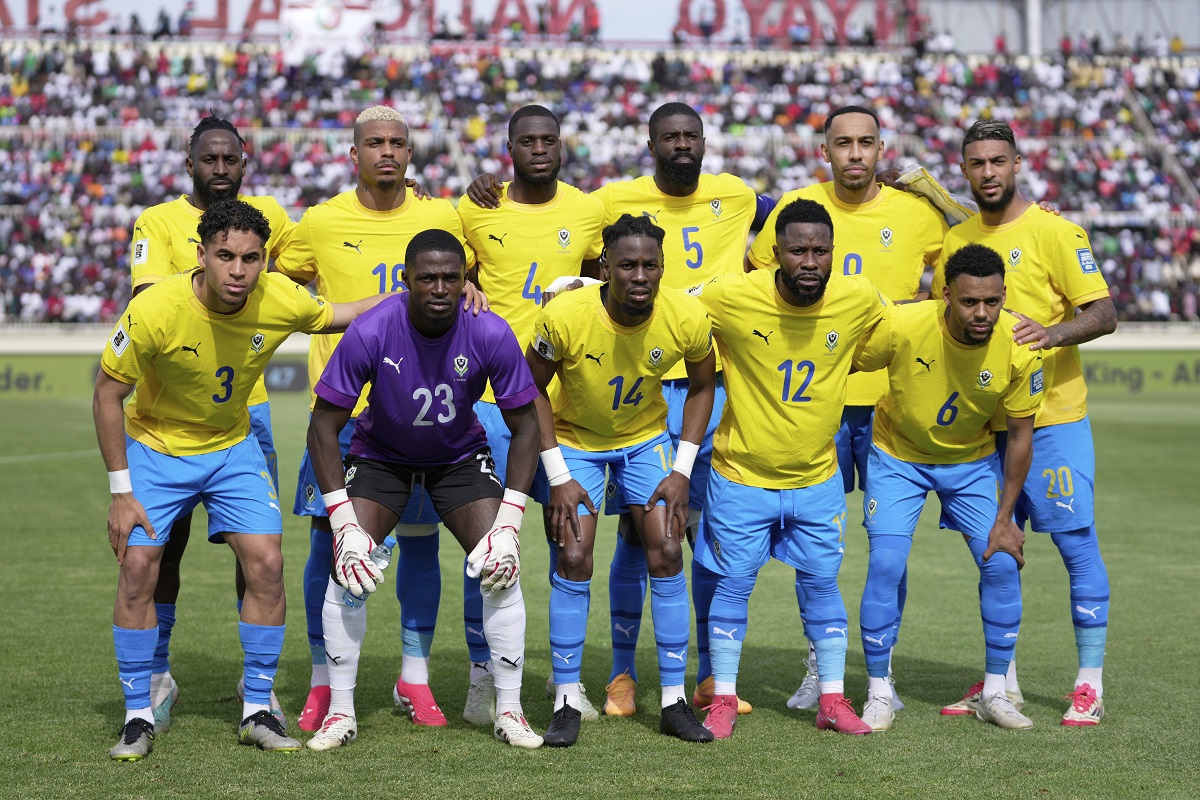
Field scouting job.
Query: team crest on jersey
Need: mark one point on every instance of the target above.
(715, 205)
(119, 340)
(460, 365)
(1014, 257)
(310, 492)
(885, 236)
(656, 356)
(872, 507)
(256, 342)
(350, 473)
(141, 251)
(564, 238)
(985, 379)
(831, 341)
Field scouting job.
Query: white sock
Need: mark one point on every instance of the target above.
(479, 670)
(345, 629)
(878, 687)
(993, 684)
(414, 669)
(504, 629)
(831, 687)
(672, 695)
(724, 687)
(1010, 678)
(320, 674)
(146, 713)
(1092, 677)
(250, 709)
(566, 694)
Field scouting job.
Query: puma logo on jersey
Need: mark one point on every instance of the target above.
(595, 358)
(353, 247)
(724, 632)
(193, 350)
(391, 363)
(763, 336)
(925, 364)
(129, 319)
(1067, 506)
(496, 238)
(627, 631)
(1091, 612)
(193, 241)
(653, 216)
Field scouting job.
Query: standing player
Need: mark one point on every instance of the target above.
(542, 230)
(786, 339)
(195, 346)
(948, 377)
(351, 245)
(1054, 281)
(164, 244)
(610, 346)
(891, 237)
(427, 362)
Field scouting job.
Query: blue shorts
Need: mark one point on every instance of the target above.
(675, 393)
(308, 502)
(499, 437)
(260, 427)
(234, 485)
(637, 470)
(853, 440)
(742, 526)
(896, 490)
(1060, 492)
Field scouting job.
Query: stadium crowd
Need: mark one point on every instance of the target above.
(90, 134)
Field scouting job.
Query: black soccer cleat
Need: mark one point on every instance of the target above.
(679, 721)
(564, 728)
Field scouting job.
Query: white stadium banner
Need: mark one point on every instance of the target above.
(326, 26)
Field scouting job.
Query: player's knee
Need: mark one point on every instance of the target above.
(734, 588)
(999, 568)
(263, 568)
(575, 563)
(139, 575)
(665, 559)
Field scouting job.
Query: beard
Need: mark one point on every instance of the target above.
(637, 311)
(973, 339)
(209, 197)
(804, 297)
(544, 179)
(680, 174)
(1006, 197)
(438, 324)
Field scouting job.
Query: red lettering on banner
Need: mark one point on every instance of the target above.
(692, 26)
(72, 12)
(407, 8)
(261, 11)
(559, 21)
(504, 17)
(219, 21)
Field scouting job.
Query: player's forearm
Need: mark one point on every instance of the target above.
(1018, 457)
(345, 313)
(1097, 318)
(701, 394)
(523, 451)
(108, 411)
(323, 448)
(547, 439)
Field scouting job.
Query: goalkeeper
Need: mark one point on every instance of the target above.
(427, 361)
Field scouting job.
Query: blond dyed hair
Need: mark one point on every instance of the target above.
(377, 114)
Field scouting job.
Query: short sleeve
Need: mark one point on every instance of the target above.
(130, 346)
(283, 231)
(348, 371)
(512, 382)
(150, 256)
(712, 297)
(298, 260)
(699, 343)
(1025, 392)
(876, 347)
(1073, 267)
(313, 312)
(762, 253)
(548, 339)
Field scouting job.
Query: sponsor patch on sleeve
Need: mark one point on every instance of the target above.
(1035, 383)
(544, 348)
(119, 340)
(141, 251)
(1087, 262)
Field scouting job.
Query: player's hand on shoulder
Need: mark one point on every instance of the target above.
(891, 177)
(1006, 537)
(1049, 208)
(123, 515)
(474, 299)
(565, 500)
(673, 491)
(565, 283)
(485, 191)
(352, 565)
(1031, 332)
(417, 189)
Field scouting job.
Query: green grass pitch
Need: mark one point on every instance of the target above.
(61, 704)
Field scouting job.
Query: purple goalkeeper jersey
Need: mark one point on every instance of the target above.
(423, 391)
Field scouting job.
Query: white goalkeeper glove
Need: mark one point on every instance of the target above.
(496, 560)
(352, 565)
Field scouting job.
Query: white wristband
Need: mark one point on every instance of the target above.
(340, 509)
(119, 483)
(556, 466)
(685, 458)
(563, 281)
(512, 510)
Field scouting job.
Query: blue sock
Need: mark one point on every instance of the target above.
(418, 579)
(316, 579)
(878, 613)
(727, 621)
(901, 599)
(704, 584)
(672, 624)
(999, 605)
(262, 645)
(825, 623)
(135, 655)
(569, 602)
(1080, 551)
(626, 598)
(477, 646)
(166, 621)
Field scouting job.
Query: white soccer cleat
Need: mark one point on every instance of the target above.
(337, 730)
(808, 695)
(897, 703)
(1000, 711)
(879, 713)
(480, 708)
(163, 704)
(1086, 708)
(970, 701)
(512, 729)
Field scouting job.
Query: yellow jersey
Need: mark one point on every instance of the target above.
(353, 252)
(165, 239)
(521, 248)
(1049, 272)
(890, 239)
(611, 376)
(942, 393)
(194, 368)
(785, 375)
(706, 231)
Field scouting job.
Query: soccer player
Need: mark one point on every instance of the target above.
(195, 345)
(610, 346)
(351, 246)
(427, 362)
(541, 231)
(164, 244)
(1053, 280)
(891, 237)
(786, 338)
(953, 366)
